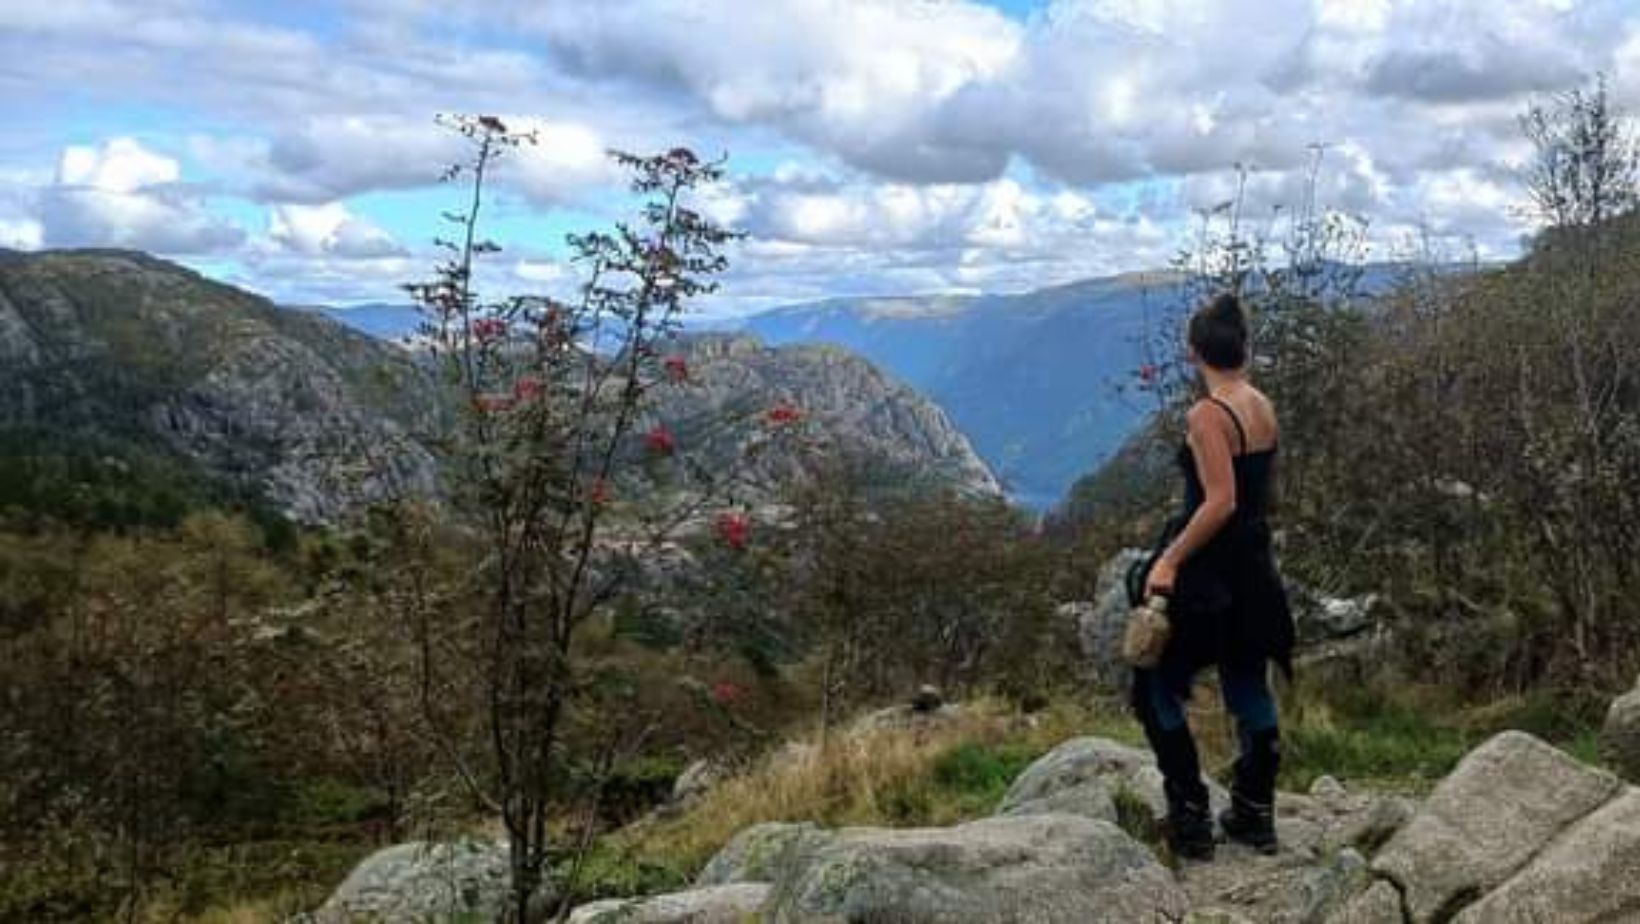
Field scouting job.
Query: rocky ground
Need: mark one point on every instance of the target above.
(1519, 831)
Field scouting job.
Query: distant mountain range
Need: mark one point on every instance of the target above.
(1040, 382)
(1033, 380)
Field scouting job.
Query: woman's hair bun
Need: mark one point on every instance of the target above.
(1218, 332)
(1226, 308)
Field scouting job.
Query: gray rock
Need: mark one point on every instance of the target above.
(1099, 622)
(722, 904)
(1116, 767)
(1588, 874)
(1215, 916)
(1328, 790)
(421, 881)
(1090, 800)
(1073, 762)
(1330, 887)
(1319, 617)
(1372, 828)
(1040, 869)
(1379, 904)
(695, 781)
(1620, 736)
(1504, 802)
(761, 853)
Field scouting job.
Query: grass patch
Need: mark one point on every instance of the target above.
(613, 870)
(1134, 816)
(941, 776)
(1397, 746)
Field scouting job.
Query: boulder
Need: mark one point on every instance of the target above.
(1620, 736)
(1586, 875)
(420, 881)
(1099, 622)
(1118, 768)
(1040, 869)
(1380, 903)
(723, 904)
(1500, 806)
(761, 853)
(1090, 800)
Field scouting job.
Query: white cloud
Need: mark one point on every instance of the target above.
(328, 230)
(864, 79)
(122, 194)
(121, 165)
(920, 143)
(565, 162)
(21, 234)
(330, 158)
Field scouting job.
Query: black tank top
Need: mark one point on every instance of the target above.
(1254, 472)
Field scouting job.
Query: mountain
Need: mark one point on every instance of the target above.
(152, 361)
(134, 369)
(382, 320)
(852, 407)
(1035, 380)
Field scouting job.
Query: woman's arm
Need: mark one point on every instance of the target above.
(1210, 446)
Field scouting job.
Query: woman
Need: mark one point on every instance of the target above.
(1226, 600)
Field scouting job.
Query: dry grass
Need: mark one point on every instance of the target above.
(857, 779)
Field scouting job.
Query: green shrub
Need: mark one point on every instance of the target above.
(612, 871)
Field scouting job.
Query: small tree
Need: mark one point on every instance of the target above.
(1584, 166)
(547, 451)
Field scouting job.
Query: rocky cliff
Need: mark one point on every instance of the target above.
(851, 407)
(289, 406)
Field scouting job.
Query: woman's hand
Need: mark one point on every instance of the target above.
(1162, 576)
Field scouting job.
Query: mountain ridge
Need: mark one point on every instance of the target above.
(146, 358)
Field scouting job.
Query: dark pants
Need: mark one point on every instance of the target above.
(1158, 700)
(1246, 694)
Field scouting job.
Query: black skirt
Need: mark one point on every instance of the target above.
(1229, 605)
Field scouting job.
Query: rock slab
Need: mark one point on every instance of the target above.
(420, 881)
(1078, 762)
(724, 904)
(1502, 804)
(1040, 869)
(1620, 736)
(761, 853)
(1589, 874)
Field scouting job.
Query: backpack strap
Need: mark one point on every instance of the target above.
(1234, 418)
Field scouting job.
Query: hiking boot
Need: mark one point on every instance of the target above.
(1189, 820)
(1251, 824)
(1190, 830)
(1251, 817)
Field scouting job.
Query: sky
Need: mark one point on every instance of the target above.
(873, 146)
